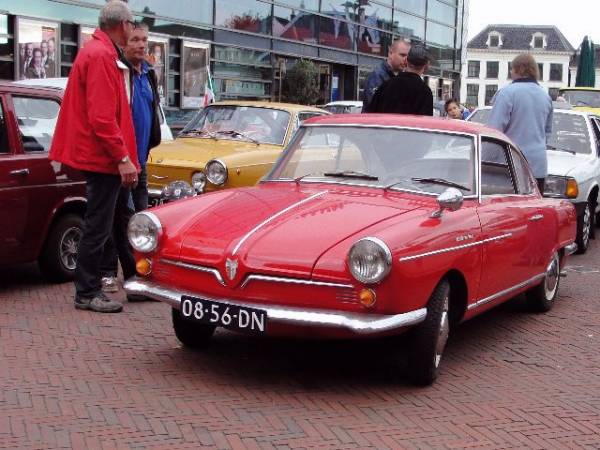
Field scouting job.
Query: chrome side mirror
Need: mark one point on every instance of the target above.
(451, 199)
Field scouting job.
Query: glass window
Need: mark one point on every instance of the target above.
(413, 6)
(226, 70)
(541, 69)
(569, 133)
(374, 42)
(494, 41)
(538, 42)
(233, 89)
(472, 94)
(296, 25)
(375, 16)
(480, 116)
(53, 10)
(490, 91)
(508, 76)
(439, 34)
(177, 9)
(556, 72)
(582, 98)
(242, 55)
(245, 15)
(305, 115)
(4, 148)
(495, 171)
(36, 118)
(553, 92)
(311, 5)
(473, 69)
(525, 181)
(409, 26)
(492, 68)
(441, 12)
(335, 33)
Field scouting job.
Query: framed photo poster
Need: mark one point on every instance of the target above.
(158, 47)
(85, 34)
(36, 53)
(194, 62)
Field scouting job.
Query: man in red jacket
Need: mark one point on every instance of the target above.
(95, 134)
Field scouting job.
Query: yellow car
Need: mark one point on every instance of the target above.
(582, 98)
(227, 144)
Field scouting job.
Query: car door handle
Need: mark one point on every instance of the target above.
(536, 217)
(20, 172)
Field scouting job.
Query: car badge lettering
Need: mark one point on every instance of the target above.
(231, 266)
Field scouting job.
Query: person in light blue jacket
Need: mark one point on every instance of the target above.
(523, 111)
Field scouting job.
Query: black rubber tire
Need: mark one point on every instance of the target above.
(424, 362)
(61, 235)
(540, 298)
(190, 334)
(581, 240)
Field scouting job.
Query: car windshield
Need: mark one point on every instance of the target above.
(246, 123)
(569, 131)
(423, 161)
(590, 99)
(343, 109)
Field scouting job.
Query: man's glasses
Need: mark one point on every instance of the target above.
(132, 23)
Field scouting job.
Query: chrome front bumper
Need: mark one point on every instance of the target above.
(362, 324)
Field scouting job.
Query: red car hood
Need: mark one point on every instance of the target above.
(282, 228)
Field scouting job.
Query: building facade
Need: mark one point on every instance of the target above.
(247, 44)
(490, 53)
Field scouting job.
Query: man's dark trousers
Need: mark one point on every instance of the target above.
(107, 213)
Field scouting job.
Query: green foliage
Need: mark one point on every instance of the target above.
(301, 83)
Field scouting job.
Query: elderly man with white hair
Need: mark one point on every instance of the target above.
(95, 134)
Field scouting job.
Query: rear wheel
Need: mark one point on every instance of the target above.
(430, 337)
(584, 229)
(541, 298)
(190, 334)
(59, 256)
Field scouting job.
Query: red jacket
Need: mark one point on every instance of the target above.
(95, 129)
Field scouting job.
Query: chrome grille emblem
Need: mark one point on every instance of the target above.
(231, 266)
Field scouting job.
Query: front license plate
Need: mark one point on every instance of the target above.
(222, 315)
(154, 201)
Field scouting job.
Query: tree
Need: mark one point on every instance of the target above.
(301, 83)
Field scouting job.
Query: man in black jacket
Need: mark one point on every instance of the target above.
(406, 93)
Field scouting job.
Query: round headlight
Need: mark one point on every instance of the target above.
(144, 231)
(176, 190)
(216, 172)
(198, 182)
(369, 260)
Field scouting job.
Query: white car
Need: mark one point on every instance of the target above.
(344, 107)
(61, 83)
(573, 165)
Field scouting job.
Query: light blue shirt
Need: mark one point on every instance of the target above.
(523, 111)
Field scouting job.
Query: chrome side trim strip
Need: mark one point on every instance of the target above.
(358, 323)
(570, 249)
(273, 217)
(483, 301)
(272, 279)
(196, 267)
(458, 247)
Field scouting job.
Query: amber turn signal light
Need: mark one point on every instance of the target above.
(367, 298)
(143, 266)
(572, 189)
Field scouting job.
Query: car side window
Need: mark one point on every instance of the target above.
(596, 128)
(302, 116)
(4, 147)
(36, 118)
(496, 177)
(524, 178)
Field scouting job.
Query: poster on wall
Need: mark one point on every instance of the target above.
(36, 49)
(85, 35)
(194, 62)
(158, 57)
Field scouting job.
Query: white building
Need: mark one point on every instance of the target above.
(575, 63)
(490, 53)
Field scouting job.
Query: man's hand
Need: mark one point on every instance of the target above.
(128, 174)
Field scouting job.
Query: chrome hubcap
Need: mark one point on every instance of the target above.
(552, 274)
(68, 247)
(587, 224)
(443, 335)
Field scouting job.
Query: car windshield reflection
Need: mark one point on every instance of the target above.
(590, 99)
(381, 157)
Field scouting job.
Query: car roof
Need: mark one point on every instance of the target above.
(266, 104)
(576, 112)
(579, 88)
(57, 83)
(407, 121)
(14, 86)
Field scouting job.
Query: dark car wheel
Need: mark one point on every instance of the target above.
(430, 337)
(584, 229)
(59, 256)
(190, 334)
(541, 298)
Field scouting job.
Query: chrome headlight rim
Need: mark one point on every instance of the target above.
(199, 185)
(168, 192)
(157, 232)
(225, 172)
(387, 259)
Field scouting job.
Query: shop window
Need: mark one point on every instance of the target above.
(295, 25)
(442, 12)
(408, 26)
(439, 34)
(244, 15)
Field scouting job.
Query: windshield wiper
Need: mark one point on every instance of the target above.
(351, 174)
(440, 181)
(240, 133)
(210, 134)
(560, 149)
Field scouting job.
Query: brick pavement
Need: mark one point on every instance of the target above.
(510, 379)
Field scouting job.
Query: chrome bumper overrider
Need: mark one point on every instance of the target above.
(570, 249)
(358, 323)
(155, 193)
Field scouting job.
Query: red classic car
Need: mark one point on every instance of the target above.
(41, 202)
(367, 225)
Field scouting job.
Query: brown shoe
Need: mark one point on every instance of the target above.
(98, 303)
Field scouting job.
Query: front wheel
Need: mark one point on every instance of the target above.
(584, 229)
(430, 337)
(541, 298)
(59, 256)
(190, 334)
